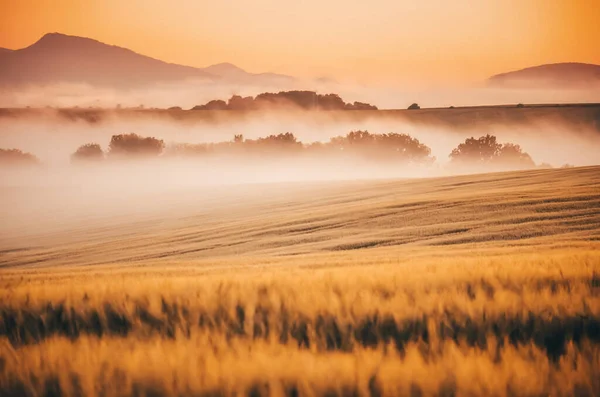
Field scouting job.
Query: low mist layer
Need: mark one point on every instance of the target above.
(551, 135)
(384, 96)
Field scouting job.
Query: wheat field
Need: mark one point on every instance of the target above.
(457, 286)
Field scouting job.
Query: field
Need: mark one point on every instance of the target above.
(466, 285)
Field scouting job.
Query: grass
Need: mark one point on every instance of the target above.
(473, 285)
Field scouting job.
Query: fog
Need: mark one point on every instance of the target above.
(53, 140)
(383, 95)
(58, 195)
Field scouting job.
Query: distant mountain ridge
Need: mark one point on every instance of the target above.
(556, 75)
(59, 58)
(234, 73)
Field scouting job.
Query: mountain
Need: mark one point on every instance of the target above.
(557, 75)
(4, 50)
(234, 74)
(59, 58)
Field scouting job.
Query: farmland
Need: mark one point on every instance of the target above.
(467, 285)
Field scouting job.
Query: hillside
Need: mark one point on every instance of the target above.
(558, 75)
(234, 74)
(59, 58)
(573, 116)
(532, 208)
(453, 286)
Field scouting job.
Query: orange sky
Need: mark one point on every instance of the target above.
(365, 41)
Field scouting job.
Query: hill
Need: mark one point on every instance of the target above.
(467, 285)
(557, 75)
(302, 218)
(235, 74)
(59, 58)
(575, 117)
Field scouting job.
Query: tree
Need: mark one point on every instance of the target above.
(414, 106)
(359, 106)
(487, 150)
(383, 147)
(405, 147)
(281, 139)
(15, 157)
(216, 104)
(307, 100)
(360, 138)
(280, 143)
(329, 102)
(237, 102)
(512, 155)
(481, 150)
(88, 152)
(135, 145)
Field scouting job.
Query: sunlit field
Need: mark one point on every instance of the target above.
(468, 285)
(301, 199)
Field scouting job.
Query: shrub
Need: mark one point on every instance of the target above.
(480, 150)
(359, 106)
(392, 146)
(15, 157)
(511, 154)
(273, 143)
(216, 104)
(135, 145)
(88, 152)
(487, 150)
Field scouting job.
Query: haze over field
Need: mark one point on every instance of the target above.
(303, 199)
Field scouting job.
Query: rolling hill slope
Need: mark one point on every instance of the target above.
(467, 285)
(558, 207)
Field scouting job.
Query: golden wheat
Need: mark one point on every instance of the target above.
(475, 285)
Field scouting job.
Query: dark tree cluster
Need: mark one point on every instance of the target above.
(88, 152)
(15, 157)
(486, 150)
(280, 144)
(307, 100)
(120, 146)
(390, 148)
(133, 145)
(362, 144)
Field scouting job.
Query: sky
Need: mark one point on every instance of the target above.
(358, 41)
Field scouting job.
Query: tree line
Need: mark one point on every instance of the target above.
(384, 148)
(387, 147)
(306, 100)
